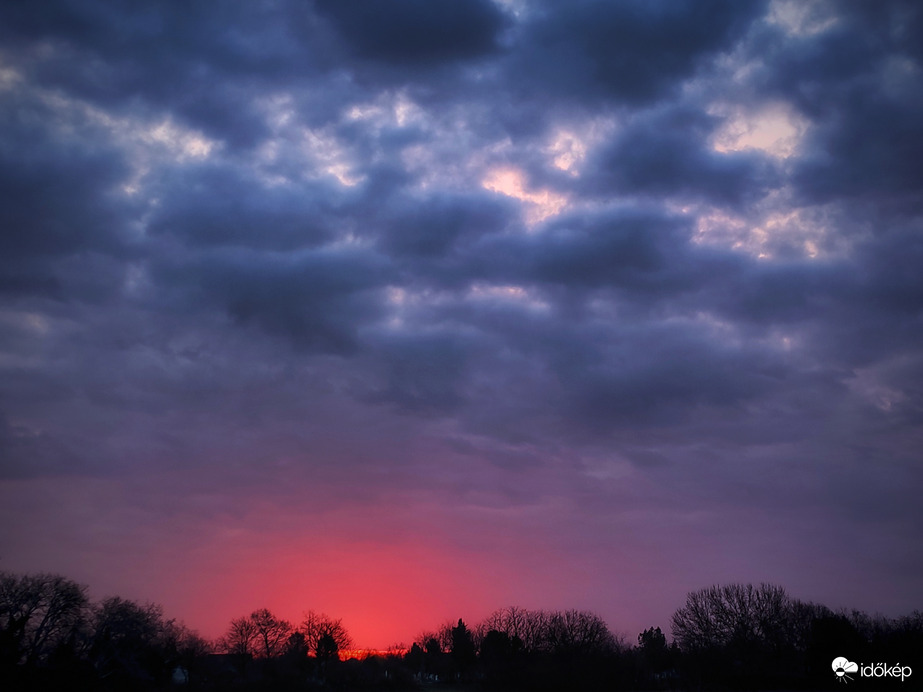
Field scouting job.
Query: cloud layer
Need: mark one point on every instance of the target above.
(630, 290)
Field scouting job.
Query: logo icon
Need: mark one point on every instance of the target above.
(842, 667)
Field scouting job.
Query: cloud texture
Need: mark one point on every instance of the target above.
(511, 302)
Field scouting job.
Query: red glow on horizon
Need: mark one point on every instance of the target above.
(384, 595)
(415, 568)
(362, 654)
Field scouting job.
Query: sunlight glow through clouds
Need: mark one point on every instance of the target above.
(182, 142)
(437, 163)
(775, 129)
(320, 151)
(146, 142)
(164, 136)
(507, 293)
(803, 17)
(511, 182)
(795, 230)
(330, 156)
(388, 109)
(568, 149)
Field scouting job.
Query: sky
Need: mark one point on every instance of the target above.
(408, 311)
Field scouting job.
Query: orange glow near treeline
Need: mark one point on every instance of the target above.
(388, 572)
(384, 595)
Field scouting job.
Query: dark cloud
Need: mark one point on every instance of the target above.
(60, 205)
(214, 206)
(318, 298)
(170, 57)
(858, 81)
(631, 52)
(667, 154)
(434, 226)
(416, 33)
(632, 249)
(57, 189)
(878, 139)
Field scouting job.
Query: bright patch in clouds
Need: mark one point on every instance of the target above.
(775, 129)
(147, 143)
(328, 156)
(796, 231)
(539, 204)
(184, 143)
(803, 17)
(568, 151)
(507, 294)
(389, 109)
(569, 145)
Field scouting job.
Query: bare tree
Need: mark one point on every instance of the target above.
(526, 626)
(539, 630)
(38, 613)
(578, 631)
(240, 637)
(323, 634)
(736, 613)
(260, 634)
(440, 639)
(271, 633)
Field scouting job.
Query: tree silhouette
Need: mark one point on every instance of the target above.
(726, 637)
(738, 614)
(654, 656)
(271, 633)
(317, 627)
(240, 637)
(326, 649)
(652, 640)
(296, 647)
(743, 635)
(463, 651)
(498, 657)
(130, 640)
(260, 634)
(529, 627)
(188, 648)
(38, 613)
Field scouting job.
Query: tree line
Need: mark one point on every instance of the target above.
(736, 636)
